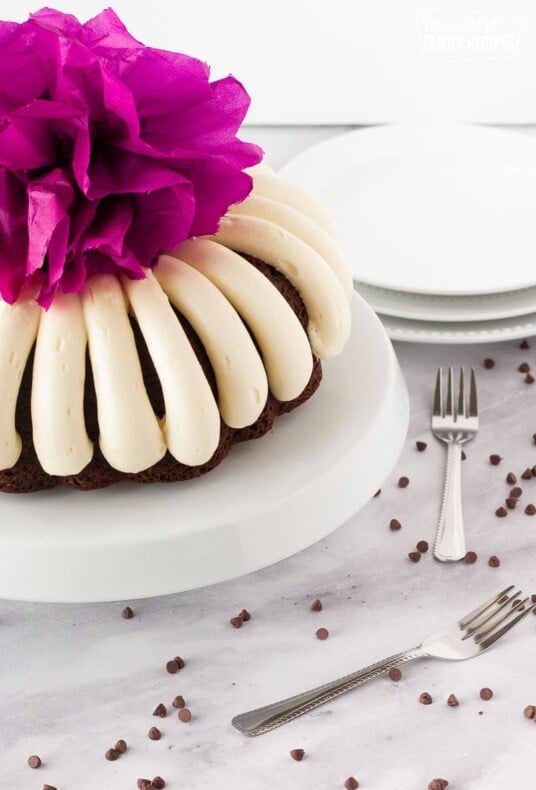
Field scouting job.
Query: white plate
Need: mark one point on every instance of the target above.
(430, 307)
(443, 210)
(268, 499)
(412, 331)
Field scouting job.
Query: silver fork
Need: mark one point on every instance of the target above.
(466, 638)
(453, 423)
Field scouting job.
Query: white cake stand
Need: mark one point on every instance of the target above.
(268, 499)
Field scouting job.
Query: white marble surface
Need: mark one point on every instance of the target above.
(76, 678)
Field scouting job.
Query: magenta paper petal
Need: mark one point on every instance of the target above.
(110, 152)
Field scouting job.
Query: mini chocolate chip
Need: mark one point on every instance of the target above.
(297, 754)
(501, 512)
(524, 344)
(489, 363)
(180, 662)
(511, 478)
(530, 712)
(127, 613)
(529, 379)
(185, 715)
(179, 702)
(403, 482)
(34, 761)
(421, 446)
(494, 561)
(121, 746)
(495, 459)
(316, 606)
(172, 666)
(516, 492)
(395, 525)
(486, 694)
(351, 783)
(533, 470)
(158, 783)
(144, 784)
(160, 710)
(527, 474)
(395, 674)
(510, 502)
(244, 615)
(154, 734)
(452, 701)
(236, 622)
(533, 598)
(470, 557)
(414, 556)
(112, 754)
(502, 599)
(530, 510)
(425, 698)
(438, 784)
(422, 546)
(322, 634)
(49, 787)
(463, 455)
(378, 492)
(524, 367)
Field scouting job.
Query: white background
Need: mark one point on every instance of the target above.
(350, 61)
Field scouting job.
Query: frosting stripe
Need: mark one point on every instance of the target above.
(59, 434)
(327, 306)
(240, 374)
(18, 329)
(130, 436)
(284, 346)
(192, 421)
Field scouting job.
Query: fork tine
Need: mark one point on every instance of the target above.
(481, 609)
(491, 626)
(473, 403)
(488, 615)
(461, 397)
(497, 634)
(437, 395)
(449, 410)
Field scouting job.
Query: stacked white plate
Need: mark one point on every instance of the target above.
(438, 225)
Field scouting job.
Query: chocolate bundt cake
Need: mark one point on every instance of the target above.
(154, 379)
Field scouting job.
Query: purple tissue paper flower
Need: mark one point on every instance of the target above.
(110, 152)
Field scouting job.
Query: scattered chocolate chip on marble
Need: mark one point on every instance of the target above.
(494, 561)
(322, 634)
(530, 712)
(414, 556)
(158, 783)
(516, 601)
(403, 482)
(395, 674)
(180, 662)
(351, 783)
(470, 558)
(533, 470)
(510, 502)
(524, 344)
(452, 701)
(127, 613)
(530, 510)
(486, 694)
(244, 615)
(49, 787)
(395, 525)
(173, 666)
(464, 456)
(529, 379)
(533, 598)
(524, 367)
(516, 492)
(495, 459)
(316, 606)
(527, 474)
(489, 363)
(378, 492)
(112, 755)
(501, 512)
(34, 761)
(425, 698)
(511, 478)
(236, 622)
(179, 702)
(421, 446)
(160, 710)
(502, 599)
(154, 734)
(121, 746)
(438, 784)
(422, 546)
(144, 784)
(185, 715)
(297, 754)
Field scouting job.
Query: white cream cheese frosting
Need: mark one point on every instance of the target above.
(253, 339)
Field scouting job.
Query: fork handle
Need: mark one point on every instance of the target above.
(450, 537)
(255, 722)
